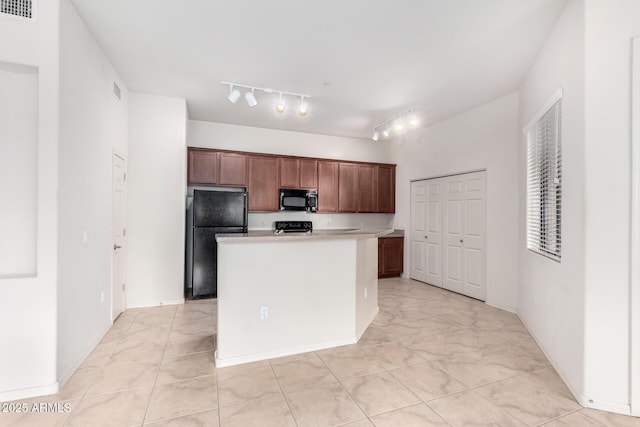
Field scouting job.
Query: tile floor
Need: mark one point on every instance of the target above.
(430, 358)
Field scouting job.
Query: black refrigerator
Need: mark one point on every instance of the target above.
(211, 213)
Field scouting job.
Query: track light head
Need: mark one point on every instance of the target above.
(303, 110)
(280, 104)
(376, 136)
(413, 120)
(398, 125)
(234, 94)
(250, 98)
(387, 131)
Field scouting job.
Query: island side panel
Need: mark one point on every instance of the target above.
(308, 288)
(366, 284)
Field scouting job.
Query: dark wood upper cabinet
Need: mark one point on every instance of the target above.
(298, 173)
(233, 169)
(308, 173)
(386, 197)
(263, 184)
(202, 167)
(327, 186)
(347, 187)
(367, 188)
(342, 186)
(289, 173)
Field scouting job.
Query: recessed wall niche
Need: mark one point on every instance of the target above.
(18, 170)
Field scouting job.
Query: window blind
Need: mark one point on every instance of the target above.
(544, 184)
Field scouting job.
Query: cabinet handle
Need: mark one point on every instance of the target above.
(426, 237)
(116, 247)
(461, 241)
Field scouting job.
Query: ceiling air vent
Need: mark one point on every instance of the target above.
(24, 10)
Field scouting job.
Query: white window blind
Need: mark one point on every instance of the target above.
(544, 183)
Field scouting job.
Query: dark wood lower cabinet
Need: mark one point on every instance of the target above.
(390, 256)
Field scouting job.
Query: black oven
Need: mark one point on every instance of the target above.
(298, 200)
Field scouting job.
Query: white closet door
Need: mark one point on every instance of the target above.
(465, 240)
(454, 235)
(426, 232)
(418, 250)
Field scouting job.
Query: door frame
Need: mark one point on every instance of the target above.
(117, 153)
(634, 288)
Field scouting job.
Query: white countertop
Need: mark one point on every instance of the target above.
(270, 236)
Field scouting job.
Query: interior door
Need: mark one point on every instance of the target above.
(418, 267)
(119, 199)
(433, 233)
(474, 278)
(454, 235)
(465, 236)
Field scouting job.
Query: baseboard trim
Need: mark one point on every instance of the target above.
(583, 400)
(156, 303)
(257, 357)
(25, 393)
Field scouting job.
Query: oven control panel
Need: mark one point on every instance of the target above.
(293, 227)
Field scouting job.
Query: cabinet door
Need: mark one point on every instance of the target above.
(263, 184)
(386, 189)
(380, 257)
(203, 167)
(308, 173)
(348, 187)
(233, 169)
(392, 256)
(327, 186)
(367, 188)
(289, 173)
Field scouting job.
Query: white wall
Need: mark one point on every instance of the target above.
(18, 170)
(485, 137)
(156, 200)
(28, 305)
(93, 123)
(259, 140)
(609, 29)
(551, 294)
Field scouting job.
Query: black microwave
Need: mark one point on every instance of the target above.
(298, 200)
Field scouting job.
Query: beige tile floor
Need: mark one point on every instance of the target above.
(430, 358)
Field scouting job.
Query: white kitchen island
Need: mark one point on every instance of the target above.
(286, 294)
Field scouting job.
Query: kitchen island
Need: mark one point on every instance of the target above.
(284, 294)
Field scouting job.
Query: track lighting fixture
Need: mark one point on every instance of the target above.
(303, 107)
(234, 94)
(250, 97)
(280, 104)
(397, 124)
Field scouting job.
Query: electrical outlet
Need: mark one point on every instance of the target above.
(101, 296)
(264, 313)
(85, 237)
(365, 293)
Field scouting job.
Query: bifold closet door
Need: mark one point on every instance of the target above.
(448, 233)
(426, 231)
(464, 260)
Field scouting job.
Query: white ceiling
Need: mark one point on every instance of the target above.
(381, 57)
